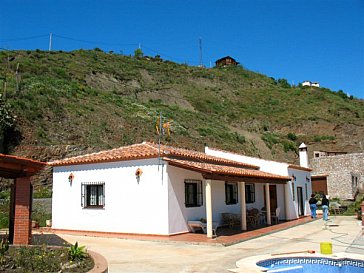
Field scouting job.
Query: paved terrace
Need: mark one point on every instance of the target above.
(195, 253)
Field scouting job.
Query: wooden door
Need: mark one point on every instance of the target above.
(273, 198)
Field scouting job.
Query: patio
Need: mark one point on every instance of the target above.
(225, 236)
(132, 253)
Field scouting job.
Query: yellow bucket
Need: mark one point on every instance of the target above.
(326, 248)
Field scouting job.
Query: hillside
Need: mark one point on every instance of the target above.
(69, 103)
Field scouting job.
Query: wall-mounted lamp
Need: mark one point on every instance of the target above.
(138, 174)
(70, 178)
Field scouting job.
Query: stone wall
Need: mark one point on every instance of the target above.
(340, 169)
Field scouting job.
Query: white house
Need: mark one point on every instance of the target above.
(150, 189)
(292, 196)
(309, 83)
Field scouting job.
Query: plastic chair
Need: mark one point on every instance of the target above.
(275, 217)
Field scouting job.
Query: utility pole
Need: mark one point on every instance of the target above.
(50, 42)
(200, 45)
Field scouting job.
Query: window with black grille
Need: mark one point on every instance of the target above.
(93, 195)
(249, 193)
(193, 193)
(231, 193)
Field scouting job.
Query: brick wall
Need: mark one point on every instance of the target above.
(340, 169)
(22, 222)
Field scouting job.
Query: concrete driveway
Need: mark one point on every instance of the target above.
(344, 232)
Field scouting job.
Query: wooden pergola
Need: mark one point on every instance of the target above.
(20, 169)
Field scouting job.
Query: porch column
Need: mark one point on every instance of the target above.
(208, 208)
(22, 221)
(267, 203)
(243, 206)
(287, 198)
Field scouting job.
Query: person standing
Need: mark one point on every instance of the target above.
(313, 205)
(325, 207)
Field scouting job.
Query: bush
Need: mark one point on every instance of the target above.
(323, 138)
(4, 209)
(42, 259)
(292, 136)
(289, 146)
(42, 192)
(77, 252)
(138, 53)
(40, 215)
(270, 139)
(283, 83)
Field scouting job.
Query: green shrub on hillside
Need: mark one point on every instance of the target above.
(323, 138)
(270, 139)
(292, 136)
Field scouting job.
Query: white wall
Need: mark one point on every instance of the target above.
(179, 214)
(301, 181)
(289, 209)
(269, 166)
(130, 207)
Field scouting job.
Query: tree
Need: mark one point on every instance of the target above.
(138, 53)
(7, 121)
(283, 83)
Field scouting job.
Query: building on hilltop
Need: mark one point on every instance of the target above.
(337, 174)
(327, 153)
(312, 84)
(226, 61)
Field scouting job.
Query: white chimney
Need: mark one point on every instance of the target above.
(303, 155)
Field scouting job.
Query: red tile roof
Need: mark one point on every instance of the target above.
(145, 150)
(12, 166)
(298, 167)
(19, 159)
(223, 170)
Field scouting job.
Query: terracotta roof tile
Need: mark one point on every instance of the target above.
(142, 151)
(19, 159)
(224, 170)
(297, 167)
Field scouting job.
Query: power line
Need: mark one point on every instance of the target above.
(93, 42)
(96, 43)
(24, 38)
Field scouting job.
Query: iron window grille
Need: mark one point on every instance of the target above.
(193, 193)
(93, 194)
(249, 193)
(231, 193)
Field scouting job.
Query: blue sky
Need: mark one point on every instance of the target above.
(317, 40)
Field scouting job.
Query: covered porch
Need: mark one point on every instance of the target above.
(20, 169)
(214, 173)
